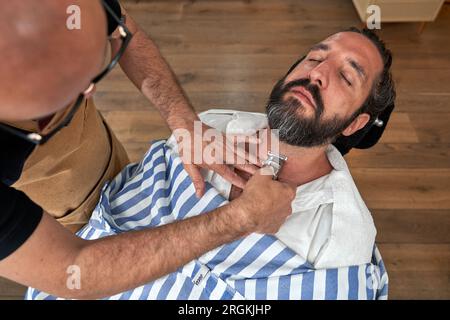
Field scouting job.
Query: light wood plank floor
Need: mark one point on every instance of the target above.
(228, 54)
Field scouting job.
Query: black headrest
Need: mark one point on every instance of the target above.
(368, 136)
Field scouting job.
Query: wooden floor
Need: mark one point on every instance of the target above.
(228, 54)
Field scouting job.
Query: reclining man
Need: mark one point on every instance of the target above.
(325, 249)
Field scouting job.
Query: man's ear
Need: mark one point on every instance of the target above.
(357, 124)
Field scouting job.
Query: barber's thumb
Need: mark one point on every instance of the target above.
(266, 171)
(199, 187)
(197, 179)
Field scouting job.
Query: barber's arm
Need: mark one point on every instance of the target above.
(144, 65)
(118, 263)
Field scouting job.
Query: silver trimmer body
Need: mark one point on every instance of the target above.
(276, 161)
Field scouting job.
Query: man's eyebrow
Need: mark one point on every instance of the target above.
(320, 46)
(359, 69)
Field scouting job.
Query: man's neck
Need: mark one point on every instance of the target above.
(303, 164)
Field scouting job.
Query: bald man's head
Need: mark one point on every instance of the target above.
(44, 64)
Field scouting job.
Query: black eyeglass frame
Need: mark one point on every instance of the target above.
(37, 138)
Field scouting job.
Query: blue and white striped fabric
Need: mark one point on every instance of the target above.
(158, 191)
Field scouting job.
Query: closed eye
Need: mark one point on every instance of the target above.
(345, 79)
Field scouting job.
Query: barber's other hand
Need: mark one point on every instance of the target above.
(264, 204)
(227, 154)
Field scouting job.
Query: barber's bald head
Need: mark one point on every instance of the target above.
(44, 64)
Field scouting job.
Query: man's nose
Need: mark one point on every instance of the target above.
(319, 76)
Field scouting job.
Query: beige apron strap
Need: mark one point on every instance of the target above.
(80, 217)
(65, 175)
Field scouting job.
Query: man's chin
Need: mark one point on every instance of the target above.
(304, 112)
(294, 104)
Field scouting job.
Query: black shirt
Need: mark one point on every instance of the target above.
(20, 216)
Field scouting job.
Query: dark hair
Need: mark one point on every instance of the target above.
(383, 92)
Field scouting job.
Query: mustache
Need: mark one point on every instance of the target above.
(311, 88)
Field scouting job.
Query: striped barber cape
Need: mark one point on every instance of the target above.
(158, 191)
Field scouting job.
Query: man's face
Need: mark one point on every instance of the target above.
(319, 99)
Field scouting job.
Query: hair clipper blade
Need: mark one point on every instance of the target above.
(276, 161)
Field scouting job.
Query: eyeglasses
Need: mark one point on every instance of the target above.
(37, 138)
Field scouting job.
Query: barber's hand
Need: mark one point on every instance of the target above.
(265, 203)
(226, 155)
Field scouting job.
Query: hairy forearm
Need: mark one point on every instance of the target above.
(119, 263)
(146, 68)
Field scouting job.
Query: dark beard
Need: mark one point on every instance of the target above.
(294, 127)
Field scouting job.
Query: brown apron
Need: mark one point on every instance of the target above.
(65, 175)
